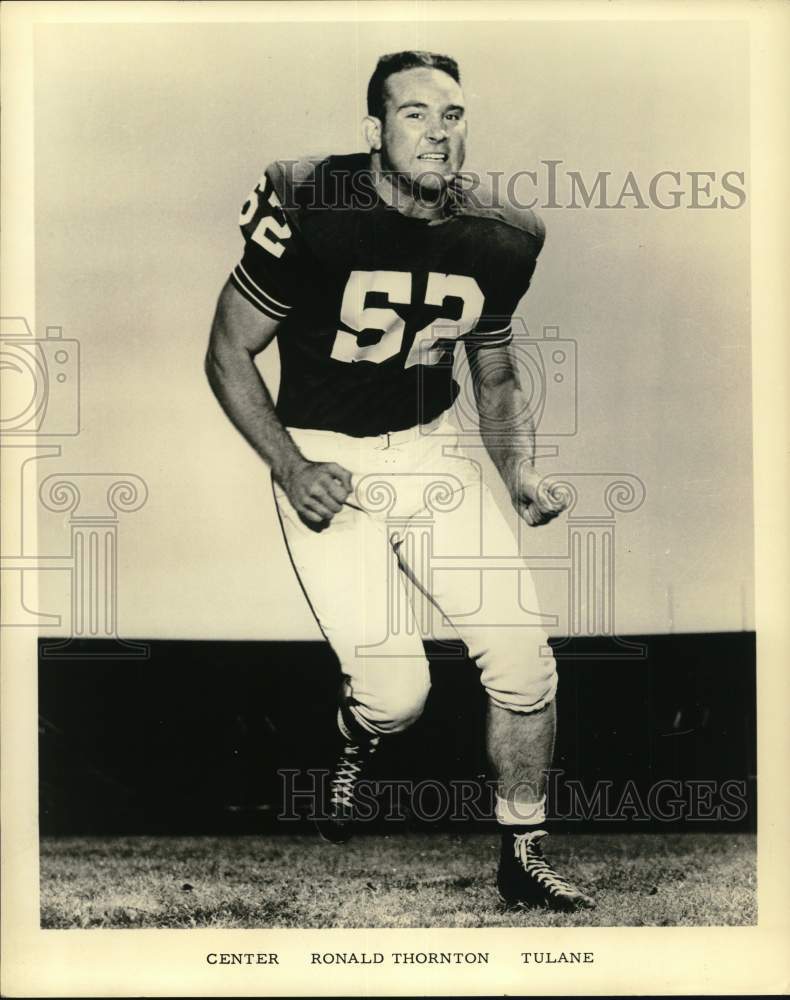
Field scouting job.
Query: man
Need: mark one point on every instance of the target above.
(368, 269)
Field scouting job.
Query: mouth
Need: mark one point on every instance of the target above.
(433, 157)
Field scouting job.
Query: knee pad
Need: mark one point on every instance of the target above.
(391, 705)
(518, 669)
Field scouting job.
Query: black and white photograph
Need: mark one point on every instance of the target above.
(381, 500)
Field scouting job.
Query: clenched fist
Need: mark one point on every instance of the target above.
(317, 490)
(533, 497)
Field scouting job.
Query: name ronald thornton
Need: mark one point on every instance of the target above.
(400, 958)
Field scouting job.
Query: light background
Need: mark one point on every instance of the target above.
(148, 139)
(670, 960)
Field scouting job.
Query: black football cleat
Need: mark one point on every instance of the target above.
(525, 878)
(336, 825)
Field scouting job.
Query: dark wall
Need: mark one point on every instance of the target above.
(192, 736)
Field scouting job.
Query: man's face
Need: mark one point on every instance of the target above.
(424, 129)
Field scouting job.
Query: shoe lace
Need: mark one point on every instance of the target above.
(348, 769)
(528, 851)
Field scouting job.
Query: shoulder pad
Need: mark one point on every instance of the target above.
(484, 202)
(293, 178)
(524, 218)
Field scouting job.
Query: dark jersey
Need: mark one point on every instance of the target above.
(373, 302)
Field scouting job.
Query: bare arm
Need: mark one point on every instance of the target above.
(238, 333)
(508, 432)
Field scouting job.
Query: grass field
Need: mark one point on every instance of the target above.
(409, 880)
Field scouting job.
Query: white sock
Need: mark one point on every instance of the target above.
(510, 813)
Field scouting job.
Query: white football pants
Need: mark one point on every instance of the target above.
(420, 537)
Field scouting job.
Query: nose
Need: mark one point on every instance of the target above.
(436, 131)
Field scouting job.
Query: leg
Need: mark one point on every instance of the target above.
(518, 671)
(495, 612)
(343, 571)
(521, 748)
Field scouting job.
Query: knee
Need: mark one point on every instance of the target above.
(519, 675)
(394, 706)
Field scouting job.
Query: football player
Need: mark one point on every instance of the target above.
(368, 269)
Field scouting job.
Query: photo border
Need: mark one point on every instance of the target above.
(627, 960)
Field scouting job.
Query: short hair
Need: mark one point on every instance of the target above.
(396, 62)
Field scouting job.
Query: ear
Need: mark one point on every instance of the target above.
(371, 130)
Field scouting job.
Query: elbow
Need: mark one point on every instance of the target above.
(209, 364)
(495, 391)
(224, 361)
(212, 364)
(497, 380)
(213, 367)
(218, 345)
(210, 367)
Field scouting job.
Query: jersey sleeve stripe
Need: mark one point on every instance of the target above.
(254, 300)
(260, 291)
(497, 338)
(256, 297)
(494, 333)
